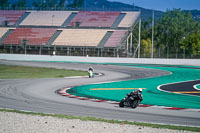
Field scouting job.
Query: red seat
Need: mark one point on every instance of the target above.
(11, 16)
(115, 38)
(95, 19)
(35, 36)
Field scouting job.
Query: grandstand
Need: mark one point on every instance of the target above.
(3, 31)
(93, 33)
(33, 36)
(129, 19)
(10, 18)
(115, 38)
(80, 37)
(95, 19)
(46, 18)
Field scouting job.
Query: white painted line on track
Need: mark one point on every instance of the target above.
(195, 87)
(175, 83)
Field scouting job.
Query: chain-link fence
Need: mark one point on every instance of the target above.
(92, 51)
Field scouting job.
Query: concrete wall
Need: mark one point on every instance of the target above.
(22, 57)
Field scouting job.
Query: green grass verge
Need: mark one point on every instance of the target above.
(183, 128)
(14, 72)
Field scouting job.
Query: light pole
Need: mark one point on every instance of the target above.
(139, 38)
(152, 33)
(24, 42)
(52, 19)
(133, 6)
(183, 49)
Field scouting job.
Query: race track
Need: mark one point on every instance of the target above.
(38, 95)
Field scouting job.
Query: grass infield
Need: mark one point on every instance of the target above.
(15, 72)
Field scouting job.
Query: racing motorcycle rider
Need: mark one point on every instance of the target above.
(136, 93)
(132, 99)
(91, 69)
(90, 72)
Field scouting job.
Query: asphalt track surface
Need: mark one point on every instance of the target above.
(182, 88)
(38, 95)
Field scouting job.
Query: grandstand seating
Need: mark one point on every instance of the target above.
(129, 19)
(11, 16)
(95, 29)
(94, 19)
(3, 31)
(34, 36)
(46, 18)
(115, 38)
(80, 37)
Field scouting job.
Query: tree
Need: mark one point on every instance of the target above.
(146, 47)
(77, 4)
(145, 36)
(61, 4)
(43, 4)
(4, 3)
(191, 44)
(51, 3)
(20, 4)
(39, 3)
(172, 27)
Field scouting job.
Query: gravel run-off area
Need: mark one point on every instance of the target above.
(22, 123)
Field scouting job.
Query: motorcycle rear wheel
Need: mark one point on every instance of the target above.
(121, 104)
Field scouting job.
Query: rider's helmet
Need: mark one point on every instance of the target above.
(90, 68)
(140, 90)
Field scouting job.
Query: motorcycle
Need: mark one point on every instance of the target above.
(131, 100)
(90, 74)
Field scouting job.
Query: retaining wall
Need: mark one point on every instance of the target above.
(22, 57)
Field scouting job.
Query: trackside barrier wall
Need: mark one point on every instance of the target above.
(21, 57)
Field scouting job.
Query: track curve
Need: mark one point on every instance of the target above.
(38, 95)
(186, 87)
